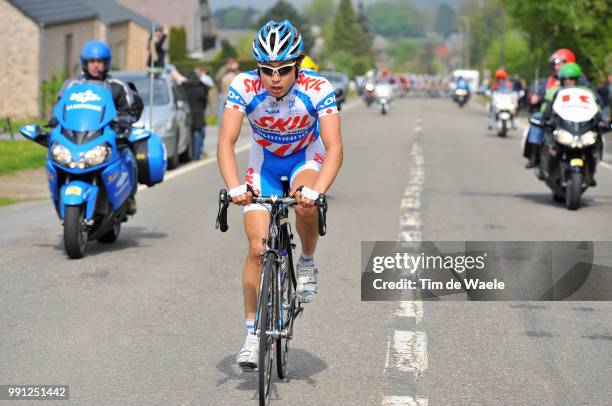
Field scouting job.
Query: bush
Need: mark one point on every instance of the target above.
(177, 49)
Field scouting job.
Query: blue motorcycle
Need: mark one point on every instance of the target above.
(93, 168)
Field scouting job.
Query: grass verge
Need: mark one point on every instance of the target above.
(19, 155)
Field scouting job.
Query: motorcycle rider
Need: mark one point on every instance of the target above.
(535, 135)
(96, 60)
(296, 129)
(569, 76)
(501, 84)
(461, 83)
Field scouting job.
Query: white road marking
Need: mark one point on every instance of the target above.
(408, 354)
(411, 309)
(410, 348)
(403, 401)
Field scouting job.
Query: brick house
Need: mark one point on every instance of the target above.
(40, 38)
(194, 15)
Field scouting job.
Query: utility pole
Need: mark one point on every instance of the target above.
(466, 22)
(502, 40)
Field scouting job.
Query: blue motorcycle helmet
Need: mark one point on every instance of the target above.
(96, 49)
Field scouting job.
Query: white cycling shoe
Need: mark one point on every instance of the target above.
(307, 287)
(249, 354)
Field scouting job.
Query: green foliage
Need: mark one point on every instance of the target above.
(19, 155)
(517, 56)
(319, 12)
(284, 10)
(177, 49)
(484, 19)
(50, 91)
(235, 17)
(445, 22)
(244, 46)
(403, 51)
(349, 63)
(396, 19)
(5, 201)
(227, 51)
(347, 35)
(584, 26)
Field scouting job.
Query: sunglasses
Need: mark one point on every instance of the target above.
(281, 70)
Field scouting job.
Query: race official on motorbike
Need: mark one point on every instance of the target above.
(96, 62)
(535, 135)
(501, 83)
(569, 76)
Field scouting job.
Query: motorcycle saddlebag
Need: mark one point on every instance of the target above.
(150, 155)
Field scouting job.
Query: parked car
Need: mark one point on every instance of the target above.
(340, 82)
(171, 118)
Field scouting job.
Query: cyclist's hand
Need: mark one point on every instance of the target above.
(306, 197)
(241, 195)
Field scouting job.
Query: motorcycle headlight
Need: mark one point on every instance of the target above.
(564, 137)
(97, 155)
(588, 138)
(61, 154)
(369, 87)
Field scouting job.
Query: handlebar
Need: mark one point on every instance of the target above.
(225, 200)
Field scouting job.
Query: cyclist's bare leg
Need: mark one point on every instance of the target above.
(256, 227)
(306, 218)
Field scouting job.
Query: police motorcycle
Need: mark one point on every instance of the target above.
(383, 93)
(461, 93)
(94, 167)
(505, 104)
(572, 145)
(368, 93)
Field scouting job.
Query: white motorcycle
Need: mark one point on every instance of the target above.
(383, 92)
(504, 108)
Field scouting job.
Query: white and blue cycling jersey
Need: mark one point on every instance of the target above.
(285, 130)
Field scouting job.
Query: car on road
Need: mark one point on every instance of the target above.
(340, 82)
(171, 115)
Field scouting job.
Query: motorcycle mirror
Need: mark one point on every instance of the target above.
(34, 133)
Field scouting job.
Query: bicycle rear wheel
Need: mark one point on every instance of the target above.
(266, 323)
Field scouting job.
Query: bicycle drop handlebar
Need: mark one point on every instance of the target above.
(225, 200)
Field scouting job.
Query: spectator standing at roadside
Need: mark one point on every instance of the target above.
(196, 92)
(156, 47)
(225, 77)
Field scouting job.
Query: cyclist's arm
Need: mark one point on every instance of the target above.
(230, 131)
(332, 140)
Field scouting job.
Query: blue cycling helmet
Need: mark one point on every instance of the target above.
(277, 42)
(96, 49)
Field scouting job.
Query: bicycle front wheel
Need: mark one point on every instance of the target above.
(266, 323)
(286, 300)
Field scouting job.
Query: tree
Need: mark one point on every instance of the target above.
(177, 49)
(583, 26)
(347, 34)
(362, 19)
(445, 22)
(235, 17)
(403, 51)
(319, 12)
(517, 55)
(283, 10)
(396, 19)
(227, 51)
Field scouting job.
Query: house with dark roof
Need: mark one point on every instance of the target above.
(41, 38)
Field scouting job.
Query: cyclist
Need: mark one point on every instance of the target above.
(296, 132)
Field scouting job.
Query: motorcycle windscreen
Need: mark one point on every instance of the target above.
(575, 105)
(85, 107)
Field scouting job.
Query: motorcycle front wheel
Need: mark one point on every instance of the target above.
(573, 191)
(75, 232)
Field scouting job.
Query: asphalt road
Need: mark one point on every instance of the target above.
(156, 318)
